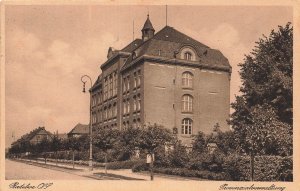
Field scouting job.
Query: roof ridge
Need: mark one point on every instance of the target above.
(182, 34)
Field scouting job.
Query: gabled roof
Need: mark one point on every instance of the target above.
(80, 129)
(33, 133)
(170, 34)
(169, 40)
(133, 45)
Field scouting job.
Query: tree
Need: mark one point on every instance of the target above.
(105, 139)
(128, 142)
(262, 120)
(55, 145)
(43, 147)
(151, 138)
(73, 144)
(199, 143)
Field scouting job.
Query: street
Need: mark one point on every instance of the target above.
(18, 170)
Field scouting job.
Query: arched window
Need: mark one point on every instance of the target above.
(105, 113)
(187, 103)
(124, 107)
(187, 79)
(138, 107)
(188, 56)
(186, 126)
(134, 103)
(128, 106)
(109, 112)
(115, 110)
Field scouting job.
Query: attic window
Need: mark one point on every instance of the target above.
(167, 36)
(188, 53)
(188, 56)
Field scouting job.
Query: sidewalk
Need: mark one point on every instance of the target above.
(99, 173)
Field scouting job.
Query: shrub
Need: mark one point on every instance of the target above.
(81, 155)
(207, 161)
(272, 168)
(238, 167)
(266, 168)
(124, 164)
(285, 170)
(184, 172)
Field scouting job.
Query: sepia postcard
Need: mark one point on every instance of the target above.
(149, 95)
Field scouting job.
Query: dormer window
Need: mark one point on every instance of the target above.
(188, 53)
(188, 56)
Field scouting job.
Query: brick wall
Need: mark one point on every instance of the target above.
(163, 97)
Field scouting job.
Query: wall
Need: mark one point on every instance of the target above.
(210, 97)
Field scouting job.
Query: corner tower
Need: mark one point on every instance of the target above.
(148, 30)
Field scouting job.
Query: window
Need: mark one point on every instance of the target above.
(110, 86)
(124, 84)
(106, 113)
(187, 79)
(186, 127)
(115, 83)
(124, 107)
(128, 106)
(100, 116)
(134, 80)
(109, 112)
(134, 103)
(128, 83)
(138, 103)
(100, 97)
(115, 110)
(103, 114)
(188, 56)
(105, 88)
(187, 103)
(138, 78)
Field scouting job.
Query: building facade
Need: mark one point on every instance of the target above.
(167, 78)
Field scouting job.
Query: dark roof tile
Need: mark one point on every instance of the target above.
(80, 129)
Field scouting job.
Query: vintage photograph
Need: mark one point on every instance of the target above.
(148, 92)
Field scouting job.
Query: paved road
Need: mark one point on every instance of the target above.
(18, 170)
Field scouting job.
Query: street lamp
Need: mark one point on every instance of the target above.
(90, 125)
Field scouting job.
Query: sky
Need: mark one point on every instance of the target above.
(48, 48)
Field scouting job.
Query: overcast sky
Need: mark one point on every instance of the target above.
(48, 48)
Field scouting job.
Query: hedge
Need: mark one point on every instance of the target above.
(266, 168)
(184, 172)
(205, 174)
(124, 164)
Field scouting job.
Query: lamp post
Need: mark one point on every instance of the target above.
(90, 125)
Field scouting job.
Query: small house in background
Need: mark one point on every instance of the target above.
(79, 130)
(35, 136)
(39, 134)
